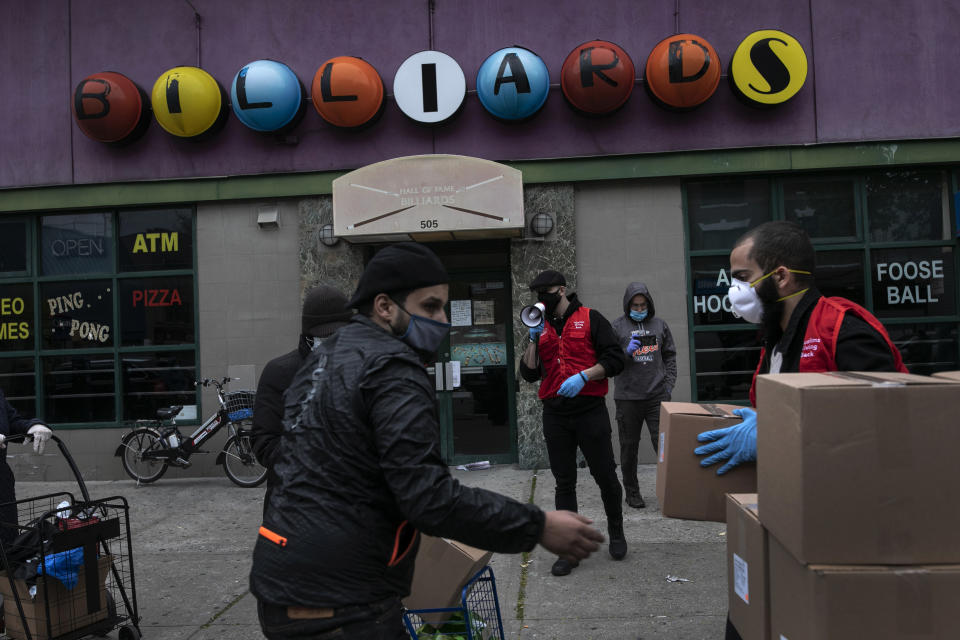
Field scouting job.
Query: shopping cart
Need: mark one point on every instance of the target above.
(477, 617)
(68, 566)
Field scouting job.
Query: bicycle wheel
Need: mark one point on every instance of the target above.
(240, 464)
(135, 444)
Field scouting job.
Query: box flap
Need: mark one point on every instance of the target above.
(747, 500)
(471, 552)
(883, 569)
(694, 409)
(851, 379)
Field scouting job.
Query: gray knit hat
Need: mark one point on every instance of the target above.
(324, 311)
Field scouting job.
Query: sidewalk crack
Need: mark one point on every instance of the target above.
(230, 604)
(525, 560)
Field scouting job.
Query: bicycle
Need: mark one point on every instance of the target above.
(152, 446)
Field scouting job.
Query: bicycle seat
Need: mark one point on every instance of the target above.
(166, 413)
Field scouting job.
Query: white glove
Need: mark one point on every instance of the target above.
(41, 433)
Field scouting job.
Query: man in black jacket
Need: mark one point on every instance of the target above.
(324, 311)
(359, 470)
(574, 353)
(12, 424)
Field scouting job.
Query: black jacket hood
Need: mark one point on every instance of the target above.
(633, 289)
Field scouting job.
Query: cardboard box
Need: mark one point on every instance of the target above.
(684, 488)
(860, 468)
(442, 568)
(68, 608)
(749, 607)
(839, 602)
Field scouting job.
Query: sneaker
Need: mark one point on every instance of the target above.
(183, 463)
(563, 567)
(618, 542)
(635, 500)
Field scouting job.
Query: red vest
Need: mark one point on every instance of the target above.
(819, 352)
(567, 354)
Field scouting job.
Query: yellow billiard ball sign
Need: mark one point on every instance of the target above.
(187, 101)
(768, 68)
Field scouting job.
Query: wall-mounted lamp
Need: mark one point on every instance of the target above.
(268, 217)
(327, 237)
(541, 224)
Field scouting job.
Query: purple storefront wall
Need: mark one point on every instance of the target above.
(879, 70)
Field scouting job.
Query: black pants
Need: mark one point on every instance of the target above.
(631, 414)
(589, 430)
(376, 621)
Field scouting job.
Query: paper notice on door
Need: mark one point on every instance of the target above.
(483, 311)
(455, 374)
(460, 313)
(741, 578)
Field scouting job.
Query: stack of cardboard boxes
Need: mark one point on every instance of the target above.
(855, 527)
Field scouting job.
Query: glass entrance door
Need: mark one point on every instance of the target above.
(475, 374)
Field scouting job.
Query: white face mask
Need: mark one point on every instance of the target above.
(745, 301)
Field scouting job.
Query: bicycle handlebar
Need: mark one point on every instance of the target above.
(218, 383)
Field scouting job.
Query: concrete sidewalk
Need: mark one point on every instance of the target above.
(192, 540)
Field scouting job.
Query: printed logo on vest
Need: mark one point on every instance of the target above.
(810, 347)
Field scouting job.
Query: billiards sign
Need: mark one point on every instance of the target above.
(428, 198)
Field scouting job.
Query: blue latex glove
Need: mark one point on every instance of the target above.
(734, 444)
(633, 346)
(572, 385)
(536, 331)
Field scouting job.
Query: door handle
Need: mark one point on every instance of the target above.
(438, 377)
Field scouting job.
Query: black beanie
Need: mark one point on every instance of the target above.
(324, 311)
(399, 267)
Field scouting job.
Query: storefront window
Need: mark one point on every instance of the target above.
(725, 362)
(18, 383)
(927, 348)
(720, 212)
(81, 295)
(76, 244)
(13, 247)
(824, 207)
(156, 240)
(711, 280)
(76, 314)
(914, 282)
(155, 380)
(906, 205)
(840, 273)
(156, 311)
(17, 325)
(79, 388)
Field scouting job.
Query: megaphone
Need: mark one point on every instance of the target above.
(532, 316)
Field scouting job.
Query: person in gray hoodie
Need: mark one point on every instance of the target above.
(647, 380)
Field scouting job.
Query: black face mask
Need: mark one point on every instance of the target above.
(423, 335)
(549, 300)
